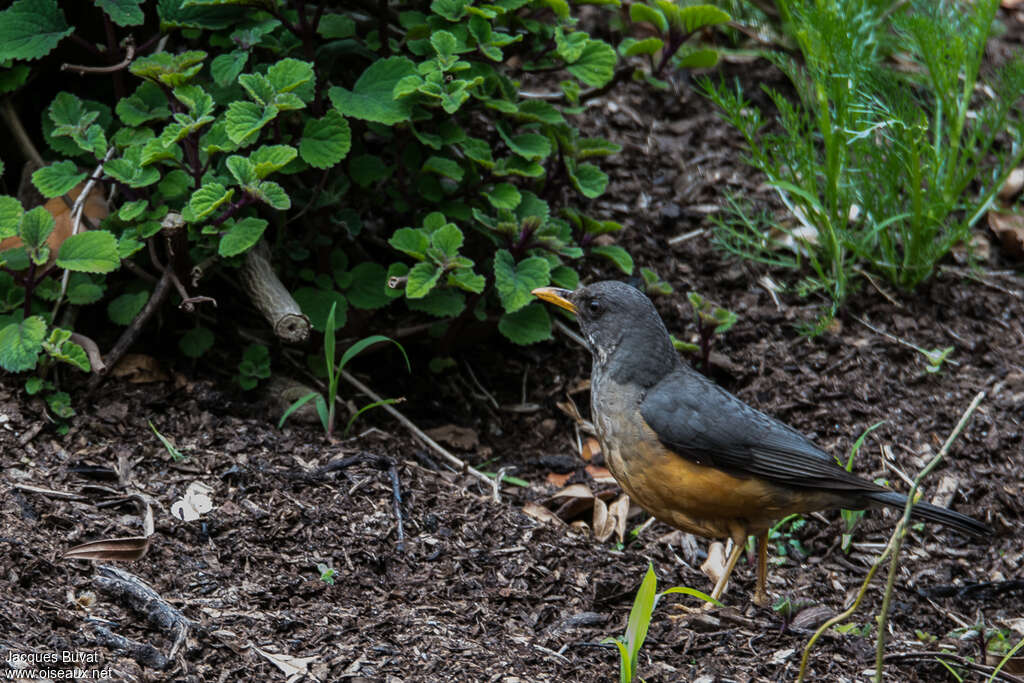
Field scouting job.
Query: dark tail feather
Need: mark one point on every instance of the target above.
(933, 513)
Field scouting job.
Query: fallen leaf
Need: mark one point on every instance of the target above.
(1009, 228)
(462, 438)
(125, 549)
(600, 475)
(541, 513)
(602, 525)
(572, 501)
(978, 247)
(1015, 181)
(139, 368)
(591, 449)
(292, 667)
(558, 480)
(619, 513)
(574, 491)
(94, 211)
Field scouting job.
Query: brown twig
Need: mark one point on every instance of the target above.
(128, 337)
(123, 64)
(18, 131)
(901, 532)
(91, 350)
(460, 465)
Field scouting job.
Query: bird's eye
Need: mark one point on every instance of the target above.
(594, 306)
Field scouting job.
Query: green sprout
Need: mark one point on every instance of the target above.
(325, 407)
(711, 320)
(646, 600)
(852, 517)
(326, 573)
(175, 454)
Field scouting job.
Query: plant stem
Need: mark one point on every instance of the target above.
(901, 532)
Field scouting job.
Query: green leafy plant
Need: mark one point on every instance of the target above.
(326, 573)
(881, 170)
(936, 357)
(325, 405)
(639, 621)
(852, 517)
(673, 26)
(254, 366)
(168, 445)
(781, 534)
(653, 284)
(711, 320)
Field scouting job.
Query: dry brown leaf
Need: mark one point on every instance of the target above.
(292, 667)
(556, 479)
(573, 501)
(574, 491)
(1009, 228)
(600, 475)
(603, 525)
(977, 247)
(462, 438)
(541, 513)
(591, 449)
(139, 368)
(1014, 665)
(619, 513)
(1014, 182)
(125, 549)
(95, 209)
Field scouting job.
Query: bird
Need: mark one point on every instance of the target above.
(694, 455)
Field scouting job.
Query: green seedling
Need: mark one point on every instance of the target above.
(711, 320)
(935, 358)
(852, 517)
(325, 407)
(853, 629)
(653, 284)
(254, 366)
(646, 600)
(175, 454)
(781, 534)
(326, 573)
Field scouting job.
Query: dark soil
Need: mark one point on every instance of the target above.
(478, 590)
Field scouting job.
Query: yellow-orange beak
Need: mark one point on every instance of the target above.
(556, 296)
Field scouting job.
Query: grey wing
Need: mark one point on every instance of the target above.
(703, 422)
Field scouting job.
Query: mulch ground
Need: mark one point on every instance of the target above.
(476, 590)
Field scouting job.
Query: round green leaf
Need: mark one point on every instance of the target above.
(241, 236)
(94, 251)
(196, 342)
(325, 141)
(527, 325)
(124, 308)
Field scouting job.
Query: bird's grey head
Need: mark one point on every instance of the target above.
(621, 326)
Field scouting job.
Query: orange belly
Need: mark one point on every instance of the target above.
(698, 499)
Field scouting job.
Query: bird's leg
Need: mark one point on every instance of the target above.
(761, 598)
(734, 556)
